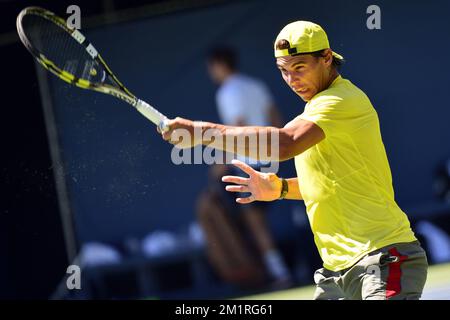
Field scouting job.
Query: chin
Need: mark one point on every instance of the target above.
(304, 98)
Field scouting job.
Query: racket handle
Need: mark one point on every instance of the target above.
(164, 125)
(153, 115)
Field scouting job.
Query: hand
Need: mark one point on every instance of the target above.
(183, 133)
(262, 186)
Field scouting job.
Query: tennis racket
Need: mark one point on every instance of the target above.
(67, 53)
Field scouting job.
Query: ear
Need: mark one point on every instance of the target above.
(328, 57)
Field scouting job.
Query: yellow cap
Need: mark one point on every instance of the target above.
(303, 37)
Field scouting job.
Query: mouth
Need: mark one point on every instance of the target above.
(300, 90)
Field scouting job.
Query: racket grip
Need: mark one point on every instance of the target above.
(153, 115)
(164, 125)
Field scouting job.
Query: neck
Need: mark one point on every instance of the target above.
(333, 75)
(227, 75)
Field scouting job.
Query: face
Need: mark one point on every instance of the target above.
(217, 71)
(305, 74)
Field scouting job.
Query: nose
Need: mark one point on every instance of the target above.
(292, 80)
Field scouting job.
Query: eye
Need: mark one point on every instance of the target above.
(297, 68)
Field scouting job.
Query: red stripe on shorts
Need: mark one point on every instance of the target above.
(393, 286)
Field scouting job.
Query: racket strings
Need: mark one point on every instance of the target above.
(59, 47)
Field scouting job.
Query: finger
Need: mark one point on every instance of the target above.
(249, 199)
(237, 189)
(166, 135)
(243, 166)
(235, 179)
(164, 125)
(167, 126)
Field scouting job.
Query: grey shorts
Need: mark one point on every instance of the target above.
(396, 272)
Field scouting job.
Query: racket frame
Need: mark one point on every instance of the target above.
(121, 92)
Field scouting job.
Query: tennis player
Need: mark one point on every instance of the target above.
(364, 239)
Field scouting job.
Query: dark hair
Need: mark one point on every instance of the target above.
(225, 55)
(337, 63)
(283, 44)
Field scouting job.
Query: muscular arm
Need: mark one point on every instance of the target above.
(296, 137)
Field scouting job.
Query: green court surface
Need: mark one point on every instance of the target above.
(437, 287)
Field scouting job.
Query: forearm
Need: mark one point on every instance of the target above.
(261, 143)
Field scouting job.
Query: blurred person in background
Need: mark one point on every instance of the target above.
(241, 101)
